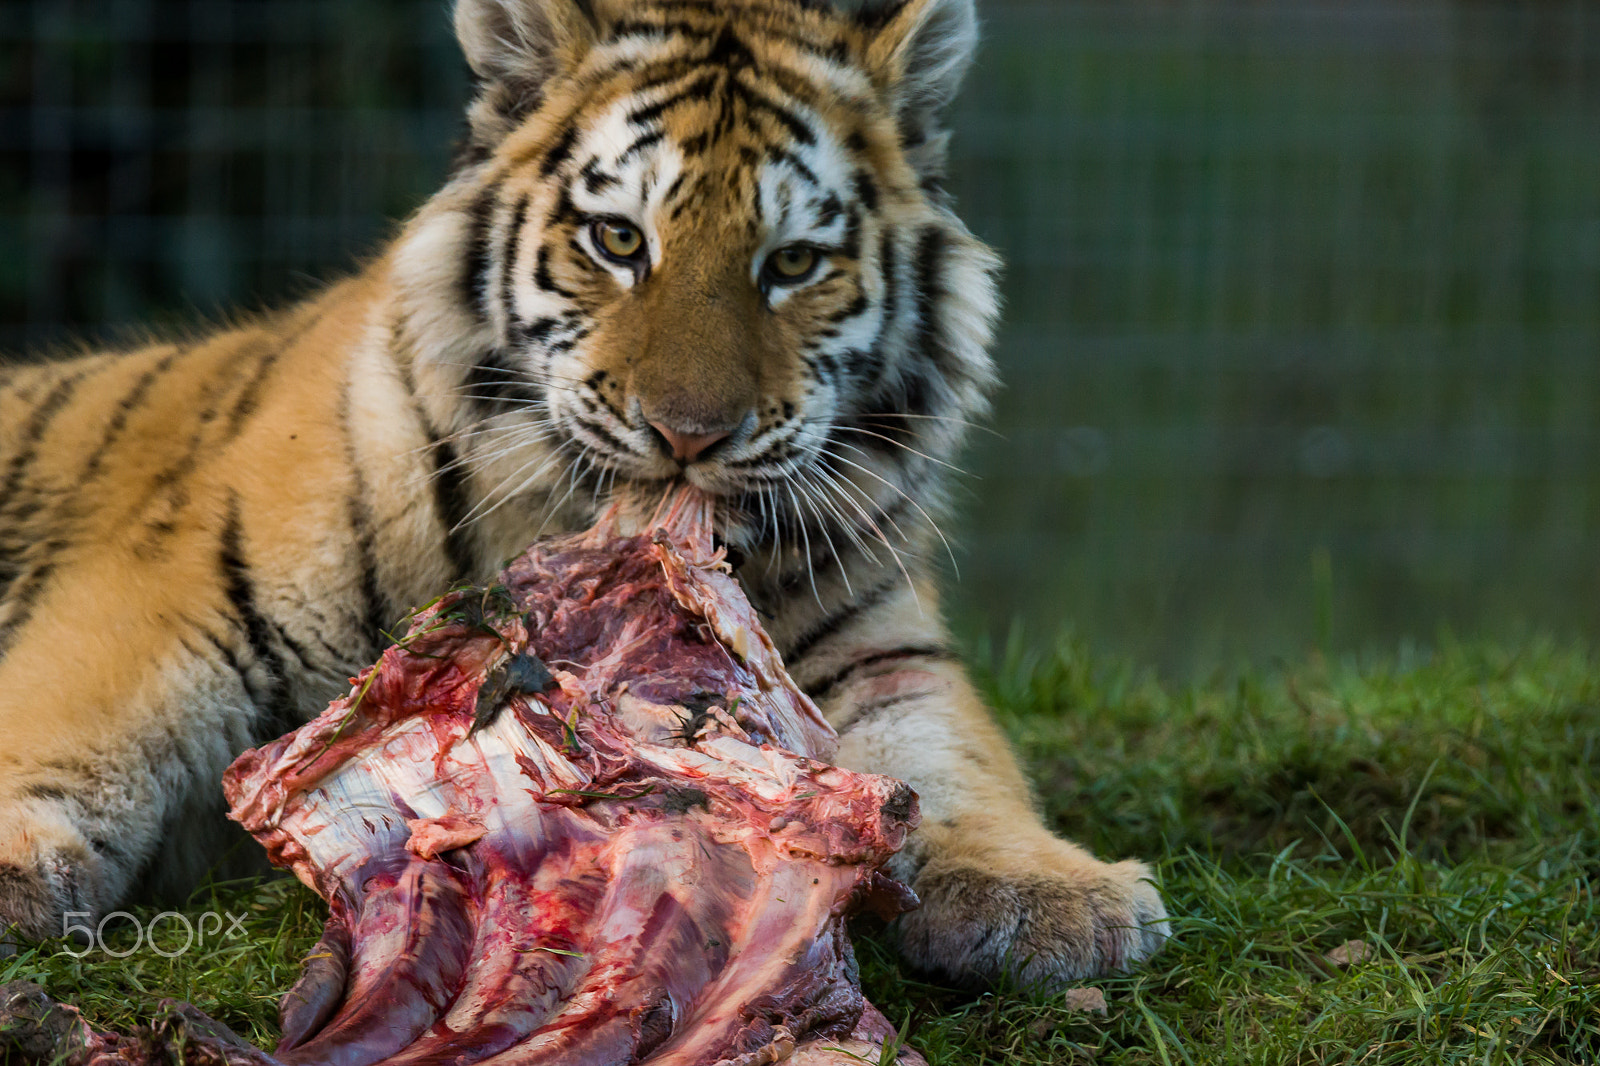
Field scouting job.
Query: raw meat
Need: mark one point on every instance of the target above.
(579, 818)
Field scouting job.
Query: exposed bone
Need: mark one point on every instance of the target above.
(627, 851)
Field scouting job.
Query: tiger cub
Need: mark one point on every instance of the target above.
(686, 239)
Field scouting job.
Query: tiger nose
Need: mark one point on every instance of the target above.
(687, 447)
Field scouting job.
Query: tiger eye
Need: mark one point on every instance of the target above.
(619, 240)
(793, 262)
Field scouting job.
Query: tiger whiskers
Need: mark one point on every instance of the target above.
(905, 495)
(952, 419)
(479, 511)
(841, 484)
(868, 522)
(816, 507)
(811, 571)
(520, 437)
(906, 447)
(571, 476)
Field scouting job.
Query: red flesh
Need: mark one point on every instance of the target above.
(634, 866)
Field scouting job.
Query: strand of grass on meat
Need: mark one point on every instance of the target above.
(440, 621)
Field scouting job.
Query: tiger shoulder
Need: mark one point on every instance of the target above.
(698, 241)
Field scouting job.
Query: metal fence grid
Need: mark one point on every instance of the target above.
(162, 156)
(1303, 337)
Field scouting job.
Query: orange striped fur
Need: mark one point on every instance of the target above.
(696, 239)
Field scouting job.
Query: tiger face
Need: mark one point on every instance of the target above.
(709, 244)
(688, 239)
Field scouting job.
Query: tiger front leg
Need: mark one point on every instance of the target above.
(109, 777)
(1000, 894)
(74, 832)
(48, 870)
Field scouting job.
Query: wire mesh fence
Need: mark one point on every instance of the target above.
(159, 157)
(1303, 331)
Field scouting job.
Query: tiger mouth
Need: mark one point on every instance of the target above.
(726, 467)
(762, 495)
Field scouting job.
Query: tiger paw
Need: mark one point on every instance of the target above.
(48, 875)
(1048, 925)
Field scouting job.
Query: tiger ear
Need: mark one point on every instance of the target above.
(919, 50)
(515, 47)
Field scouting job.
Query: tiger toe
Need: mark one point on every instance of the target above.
(1044, 928)
(48, 875)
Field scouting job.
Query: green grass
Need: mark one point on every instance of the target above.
(1440, 807)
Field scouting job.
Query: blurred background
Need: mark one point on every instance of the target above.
(1303, 298)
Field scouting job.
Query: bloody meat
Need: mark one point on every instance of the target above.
(579, 817)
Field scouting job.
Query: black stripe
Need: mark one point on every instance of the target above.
(538, 331)
(631, 27)
(564, 212)
(889, 255)
(543, 278)
(375, 612)
(449, 495)
(671, 6)
(230, 657)
(295, 648)
(167, 487)
(604, 434)
(877, 16)
(24, 597)
(493, 376)
(250, 397)
(798, 128)
(451, 506)
(28, 443)
(851, 248)
(822, 689)
(684, 205)
(728, 51)
(119, 417)
(559, 151)
(838, 620)
(640, 144)
(854, 309)
(17, 506)
(567, 343)
(275, 710)
(783, 155)
(664, 73)
(594, 179)
(835, 52)
(828, 208)
(872, 708)
(870, 368)
(698, 89)
(508, 262)
(929, 263)
(475, 264)
(866, 190)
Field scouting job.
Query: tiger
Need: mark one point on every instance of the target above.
(683, 241)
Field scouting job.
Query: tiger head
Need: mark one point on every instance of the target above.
(705, 240)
